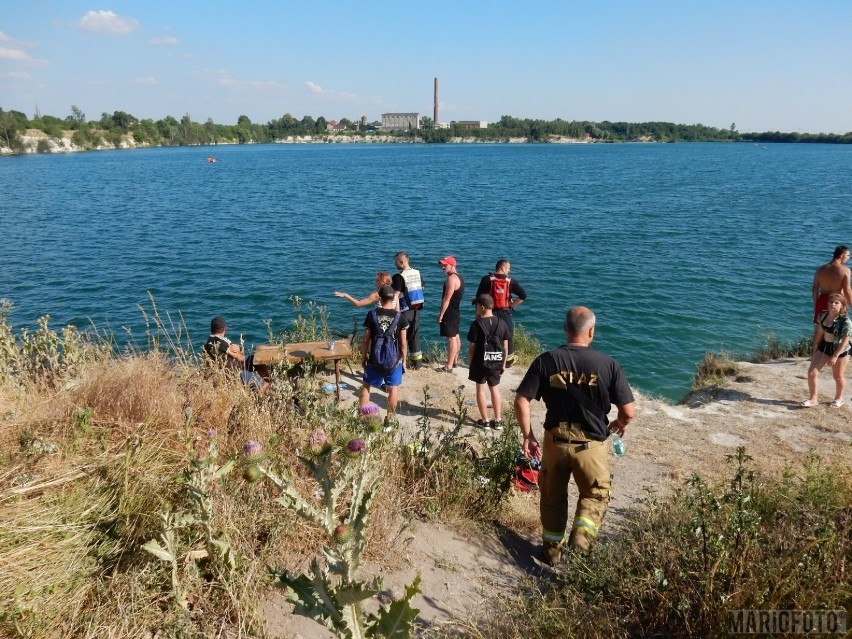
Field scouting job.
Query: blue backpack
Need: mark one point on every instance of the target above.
(384, 351)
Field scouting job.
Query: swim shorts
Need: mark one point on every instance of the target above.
(820, 305)
(372, 377)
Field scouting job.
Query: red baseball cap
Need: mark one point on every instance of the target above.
(448, 260)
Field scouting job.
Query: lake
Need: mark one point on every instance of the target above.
(678, 248)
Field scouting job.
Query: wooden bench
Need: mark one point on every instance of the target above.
(297, 352)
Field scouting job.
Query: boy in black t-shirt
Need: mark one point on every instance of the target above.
(220, 350)
(377, 323)
(486, 357)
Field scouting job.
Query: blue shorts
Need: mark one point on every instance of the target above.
(372, 377)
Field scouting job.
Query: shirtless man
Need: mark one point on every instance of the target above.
(832, 278)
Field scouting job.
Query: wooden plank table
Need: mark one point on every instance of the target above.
(296, 352)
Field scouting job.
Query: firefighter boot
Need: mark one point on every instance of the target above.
(551, 553)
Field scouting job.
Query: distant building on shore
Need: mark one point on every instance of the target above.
(400, 121)
(471, 124)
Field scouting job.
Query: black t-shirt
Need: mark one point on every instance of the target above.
(385, 318)
(217, 350)
(590, 373)
(493, 325)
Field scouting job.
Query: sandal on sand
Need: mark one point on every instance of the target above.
(808, 403)
(444, 369)
(837, 403)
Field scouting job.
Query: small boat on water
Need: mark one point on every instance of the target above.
(211, 159)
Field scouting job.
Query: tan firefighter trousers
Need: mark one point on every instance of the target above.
(568, 450)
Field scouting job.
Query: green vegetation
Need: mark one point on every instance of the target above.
(131, 506)
(774, 348)
(527, 346)
(111, 130)
(681, 565)
(714, 370)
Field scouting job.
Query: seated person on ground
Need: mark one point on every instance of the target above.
(229, 355)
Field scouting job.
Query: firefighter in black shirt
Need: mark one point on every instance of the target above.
(579, 385)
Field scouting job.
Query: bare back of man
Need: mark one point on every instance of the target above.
(831, 278)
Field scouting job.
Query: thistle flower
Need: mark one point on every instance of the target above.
(370, 409)
(318, 443)
(251, 473)
(342, 534)
(252, 448)
(374, 424)
(354, 447)
(318, 438)
(211, 432)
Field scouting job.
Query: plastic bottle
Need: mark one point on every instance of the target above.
(618, 446)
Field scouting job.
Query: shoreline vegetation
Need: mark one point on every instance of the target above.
(49, 134)
(142, 495)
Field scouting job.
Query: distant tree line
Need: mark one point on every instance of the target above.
(112, 129)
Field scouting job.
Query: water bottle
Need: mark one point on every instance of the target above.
(618, 446)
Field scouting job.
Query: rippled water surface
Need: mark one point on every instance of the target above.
(679, 248)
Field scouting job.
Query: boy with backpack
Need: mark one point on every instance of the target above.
(507, 294)
(486, 357)
(383, 349)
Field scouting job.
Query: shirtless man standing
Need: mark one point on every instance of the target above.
(832, 278)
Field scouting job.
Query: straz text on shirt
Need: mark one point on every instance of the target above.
(563, 378)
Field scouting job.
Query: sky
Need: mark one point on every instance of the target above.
(762, 65)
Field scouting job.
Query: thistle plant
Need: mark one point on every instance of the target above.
(198, 480)
(43, 355)
(329, 593)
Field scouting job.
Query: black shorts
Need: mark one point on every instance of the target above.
(829, 347)
(482, 375)
(450, 326)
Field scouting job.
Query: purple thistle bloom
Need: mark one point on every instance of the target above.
(252, 448)
(355, 446)
(370, 409)
(211, 432)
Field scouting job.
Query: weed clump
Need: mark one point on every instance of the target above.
(774, 348)
(714, 370)
(527, 346)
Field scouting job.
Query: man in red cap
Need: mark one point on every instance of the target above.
(449, 317)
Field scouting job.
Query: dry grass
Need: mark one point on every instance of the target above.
(714, 370)
(89, 464)
(131, 391)
(87, 467)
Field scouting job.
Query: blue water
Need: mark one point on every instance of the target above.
(679, 248)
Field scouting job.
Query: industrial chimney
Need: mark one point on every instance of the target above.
(435, 123)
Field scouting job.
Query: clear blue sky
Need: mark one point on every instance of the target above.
(763, 64)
